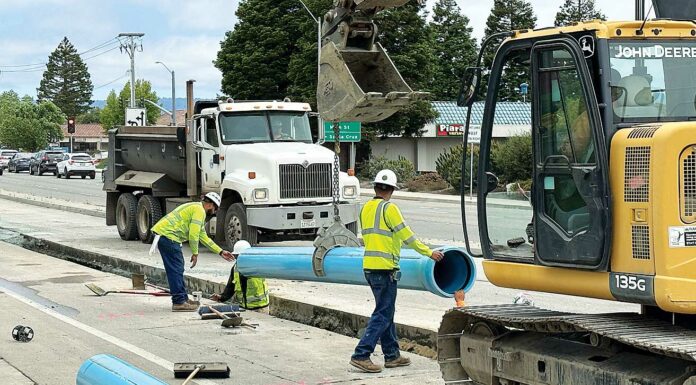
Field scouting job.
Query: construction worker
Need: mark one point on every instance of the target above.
(250, 293)
(183, 224)
(384, 230)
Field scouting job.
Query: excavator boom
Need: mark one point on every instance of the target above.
(357, 79)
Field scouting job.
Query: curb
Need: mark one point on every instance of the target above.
(413, 339)
(53, 205)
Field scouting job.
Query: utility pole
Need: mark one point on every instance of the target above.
(173, 93)
(320, 121)
(131, 42)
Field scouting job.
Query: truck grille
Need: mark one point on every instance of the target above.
(297, 181)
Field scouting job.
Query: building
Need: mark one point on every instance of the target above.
(90, 138)
(166, 120)
(511, 118)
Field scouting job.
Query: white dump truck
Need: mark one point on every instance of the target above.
(275, 183)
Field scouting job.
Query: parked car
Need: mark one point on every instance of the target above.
(5, 156)
(76, 164)
(45, 161)
(19, 162)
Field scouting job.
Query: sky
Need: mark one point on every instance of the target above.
(183, 34)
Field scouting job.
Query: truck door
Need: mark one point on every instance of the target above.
(570, 185)
(211, 172)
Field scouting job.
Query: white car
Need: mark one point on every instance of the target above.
(76, 164)
(5, 156)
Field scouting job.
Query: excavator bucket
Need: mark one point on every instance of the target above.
(360, 85)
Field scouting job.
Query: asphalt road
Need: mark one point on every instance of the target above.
(434, 222)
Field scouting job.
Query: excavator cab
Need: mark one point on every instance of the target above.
(357, 79)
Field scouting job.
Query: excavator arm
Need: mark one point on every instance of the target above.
(357, 79)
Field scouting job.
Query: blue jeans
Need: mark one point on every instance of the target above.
(173, 260)
(381, 326)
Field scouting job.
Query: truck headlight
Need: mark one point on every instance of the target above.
(349, 191)
(260, 194)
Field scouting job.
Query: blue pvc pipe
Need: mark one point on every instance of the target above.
(456, 271)
(104, 369)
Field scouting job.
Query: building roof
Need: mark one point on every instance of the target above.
(166, 120)
(91, 130)
(506, 113)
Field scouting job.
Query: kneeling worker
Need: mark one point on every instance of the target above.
(249, 293)
(183, 224)
(384, 230)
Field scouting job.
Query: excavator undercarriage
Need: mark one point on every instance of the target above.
(521, 344)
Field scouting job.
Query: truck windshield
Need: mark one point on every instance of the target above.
(267, 126)
(653, 81)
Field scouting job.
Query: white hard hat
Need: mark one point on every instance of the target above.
(240, 246)
(386, 177)
(214, 197)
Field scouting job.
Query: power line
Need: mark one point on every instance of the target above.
(113, 40)
(113, 81)
(101, 53)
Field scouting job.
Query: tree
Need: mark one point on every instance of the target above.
(454, 47)
(508, 15)
(27, 125)
(114, 112)
(577, 10)
(66, 81)
(91, 116)
(254, 56)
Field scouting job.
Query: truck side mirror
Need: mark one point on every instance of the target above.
(491, 181)
(200, 146)
(470, 83)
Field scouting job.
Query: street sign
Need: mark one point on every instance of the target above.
(348, 132)
(474, 136)
(136, 117)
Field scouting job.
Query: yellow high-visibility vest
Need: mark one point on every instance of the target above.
(252, 293)
(384, 230)
(185, 223)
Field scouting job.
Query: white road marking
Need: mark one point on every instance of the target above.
(100, 334)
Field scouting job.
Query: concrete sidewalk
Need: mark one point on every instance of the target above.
(342, 308)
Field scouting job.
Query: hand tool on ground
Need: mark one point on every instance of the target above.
(228, 322)
(205, 309)
(189, 370)
(101, 292)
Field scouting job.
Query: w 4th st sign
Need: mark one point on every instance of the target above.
(347, 132)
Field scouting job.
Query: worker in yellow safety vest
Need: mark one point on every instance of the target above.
(183, 224)
(384, 230)
(249, 293)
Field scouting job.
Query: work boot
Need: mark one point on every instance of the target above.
(197, 303)
(366, 365)
(401, 361)
(186, 306)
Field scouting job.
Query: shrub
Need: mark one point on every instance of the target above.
(402, 167)
(449, 165)
(429, 181)
(512, 158)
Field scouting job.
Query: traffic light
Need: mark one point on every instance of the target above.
(71, 125)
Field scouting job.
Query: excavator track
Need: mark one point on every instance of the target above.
(625, 331)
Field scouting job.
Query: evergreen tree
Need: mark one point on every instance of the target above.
(254, 56)
(408, 40)
(66, 81)
(577, 10)
(508, 15)
(114, 111)
(91, 116)
(454, 47)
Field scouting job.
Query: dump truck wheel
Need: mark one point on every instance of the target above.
(126, 208)
(236, 227)
(148, 213)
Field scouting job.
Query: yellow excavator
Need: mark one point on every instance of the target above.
(613, 195)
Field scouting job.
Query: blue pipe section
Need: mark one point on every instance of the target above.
(105, 369)
(456, 271)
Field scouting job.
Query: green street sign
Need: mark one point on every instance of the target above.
(348, 132)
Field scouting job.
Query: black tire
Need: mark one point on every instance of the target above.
(126, 208)
(39, 171)
(57, 174)
(148, 213)
(92, 175)
(84, 176)
(353, 227)
(65, 171)
(236, 227)
(31, 170)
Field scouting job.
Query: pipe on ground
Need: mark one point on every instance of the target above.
(105, 369)
(456, 271)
